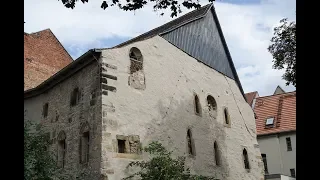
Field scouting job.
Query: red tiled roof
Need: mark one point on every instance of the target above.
(282, 107)
(43, 56)
(250, 96)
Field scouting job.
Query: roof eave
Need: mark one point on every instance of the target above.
(140, 37)
(64, 73)
(224, 43)
(275, 133)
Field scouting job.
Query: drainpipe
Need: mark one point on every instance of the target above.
(281, 164)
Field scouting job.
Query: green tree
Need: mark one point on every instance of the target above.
(132, 5)
(163, 166)
(283, 50)
(38, 161)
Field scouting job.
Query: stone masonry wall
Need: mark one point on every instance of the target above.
(164, 109)
(63, 117)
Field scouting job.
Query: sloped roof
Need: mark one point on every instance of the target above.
(170, 26)
(278, 90)
(282, 107)
(250, 97)
(44, 55)
(187, 18)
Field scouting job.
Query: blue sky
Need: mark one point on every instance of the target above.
(247, 26)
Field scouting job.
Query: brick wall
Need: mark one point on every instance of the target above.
(43, 56)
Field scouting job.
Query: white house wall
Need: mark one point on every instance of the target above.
(165, 109)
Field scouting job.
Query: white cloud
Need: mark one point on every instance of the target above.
(247, 29)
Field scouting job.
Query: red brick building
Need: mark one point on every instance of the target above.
(44, 55)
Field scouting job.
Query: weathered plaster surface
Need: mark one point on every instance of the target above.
(87, 79)
(164, 109)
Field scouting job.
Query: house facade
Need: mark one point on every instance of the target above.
(276, 133)
(44, 55)
(103, 108)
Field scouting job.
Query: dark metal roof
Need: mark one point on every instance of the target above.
(228, 70)
(161, 30)
(187, 18)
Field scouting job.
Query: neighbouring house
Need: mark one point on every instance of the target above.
(276, 133)
(251, 98)
(175, 84)
(44, 55)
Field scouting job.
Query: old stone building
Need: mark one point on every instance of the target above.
(44, 55)
(175, 84)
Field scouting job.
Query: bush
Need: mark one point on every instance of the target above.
(162, 166)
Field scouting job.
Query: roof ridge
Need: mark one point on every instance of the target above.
(277, 94)
(179, 24)
(41, 31)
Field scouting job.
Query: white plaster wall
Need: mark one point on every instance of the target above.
(288, 157)
(279, 160)
(269, 145)
(164, 110)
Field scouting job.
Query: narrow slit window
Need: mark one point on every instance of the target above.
(197, 105)
(61, 153)
(289, 146)
(45, 110)
(61, 149)
(264, 159)
(75, 97)
(216, 154)
(246, 159)
(190, 143)
(93, 98)
(226, 116)
(85, 147)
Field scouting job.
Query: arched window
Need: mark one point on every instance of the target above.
(212, 106)
(136, 60)
(216, 153)
(84, 143)
(246, 159)
(61, 149)
(191, 149)
(197, 105)
(226, 116)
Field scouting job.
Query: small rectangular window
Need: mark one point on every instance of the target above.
(45, 109)
(289, 147)
(269, 121)
(293, 172)
(264, 159)
(121, 146)
(75, 97)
